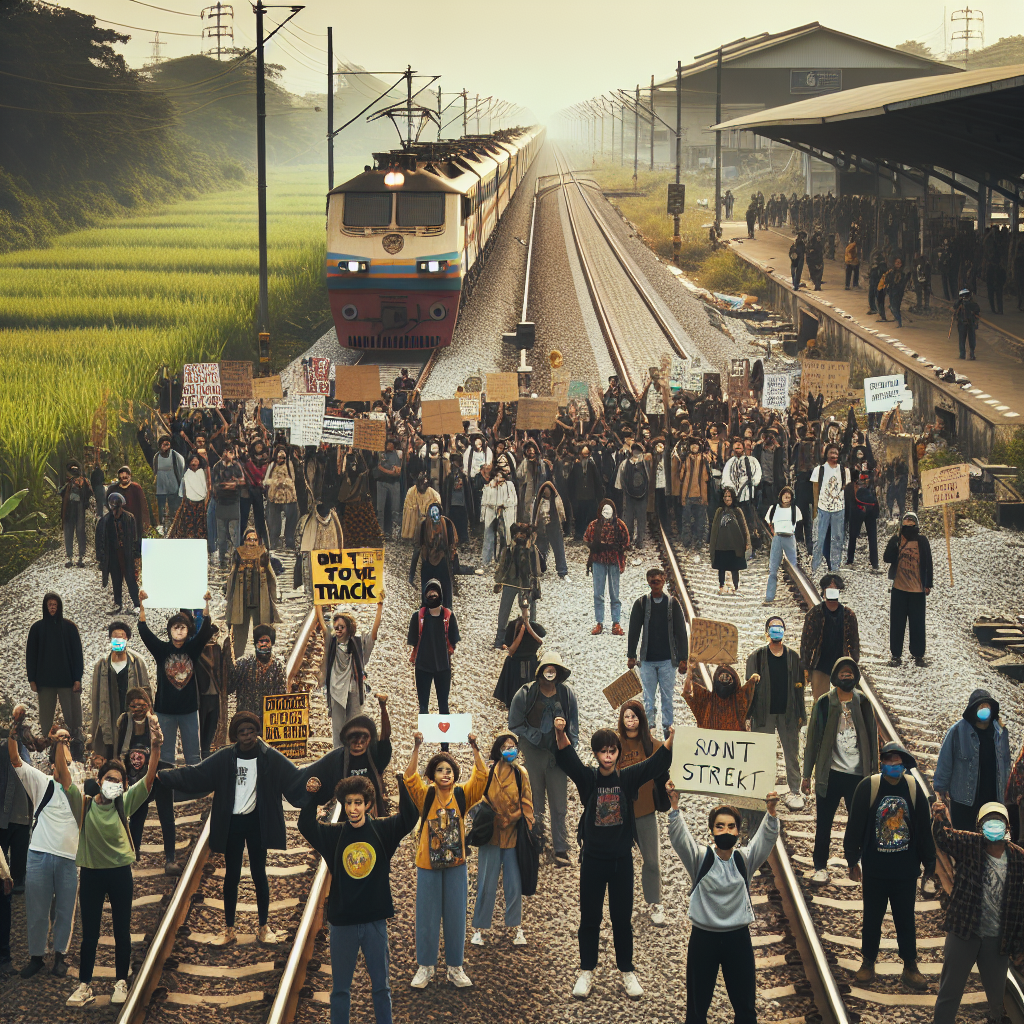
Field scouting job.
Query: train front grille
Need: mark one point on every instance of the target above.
(393, 341)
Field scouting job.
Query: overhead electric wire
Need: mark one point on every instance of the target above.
(184, 14)
(138, 28)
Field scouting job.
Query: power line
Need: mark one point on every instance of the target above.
(191, 35)
(184, 14)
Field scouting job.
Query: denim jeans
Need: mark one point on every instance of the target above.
(693, 529)
(441, 895)
(389, 506)
(166, 506)
(837, 521)
(493, 860)
(74, 528)
(655, 675)
(227, 529)
(610, 574)
(782, 544)
(189, 726)
(288, 511)
(49, 877)
(211, 525)
(549, 537)
(346, 941)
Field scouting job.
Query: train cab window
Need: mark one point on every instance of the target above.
(420, 209)
(367, 209)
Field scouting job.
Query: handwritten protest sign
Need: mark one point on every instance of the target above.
(285, 415)
(713, 641)
(174, 572)
(740, 766)
(739, 379)
(338, 430)
(357, 383)
(286, 723)
(560, 384)
(267, 387)
(441, 416)
(776, 391)
(445, 728)
(307, 419)
(677, 374)
(370, 435)
(236, 379)
(825, 377)
(655, 401)
(947, 483)
(348, 576)
(469, 405)
(622, 689)
(502, 387)
(200, 386)
(536, 413)
(884, 393)
(317, 377)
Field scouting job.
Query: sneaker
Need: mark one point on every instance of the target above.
(519, 939)
(768, 601)
(422, 977)
(617, 630)
(920, 663)
(895, 662)
(67, 564)
(266, 935)
(82, 996)
(794, 801)
(457, 976)
(32, 968)
(596, 630)
(865, 974)
(820, 877)
(226, 937)
(6, 966)
(562, 859)
(478, 938)
(60, 965)
(584, 983)
(658, 914)
(120, 993)
(631, 985)
(913, 978)
(172, 869)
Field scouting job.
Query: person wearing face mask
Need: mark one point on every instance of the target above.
(606, 833)
(258, 675)
(693, 484)
(973, 766)
(434, 550)
(730, 541)
(433, 636)
(721, 911)
(888, 840)
(586, 489)
(343, 668)
(830, 632)
(282, 499)
(725, 705)
(418, 500)
(782, 520)
(113, 676)
(105, 856)
(251, 592)
(248, 779)
(607, 537)
(517, 574)
(985, 911)
(841, 749)
(909, 556)
(497, 512)
(507, 793)
(531, 717)
(548, 525)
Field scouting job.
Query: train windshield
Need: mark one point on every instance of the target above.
(420, 209)
(367, 209)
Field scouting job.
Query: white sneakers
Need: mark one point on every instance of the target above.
(519, 939)
(267, 935)
(422, 977)
(794, 801)
(457, 976)
(120, 993)
(631, 985)
(658, 914)
(584, 983)
(820, 877)
(478, 938)
(82, 996)
(226, 937)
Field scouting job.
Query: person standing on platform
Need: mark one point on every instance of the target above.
(797, 253)
(966, 313)
(852, 259)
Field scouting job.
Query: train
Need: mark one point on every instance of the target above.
(407, 237)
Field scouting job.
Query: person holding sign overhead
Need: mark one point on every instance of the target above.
(910, 568)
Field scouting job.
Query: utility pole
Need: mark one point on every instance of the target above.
(464, 105)
(636, 134)
(439, 113)
(652, 122)
(718, 141)
(330, 108)
(218, 31)
(676, 240)
(408, 101)
(967, 34)
(477, 112)
(157, 46)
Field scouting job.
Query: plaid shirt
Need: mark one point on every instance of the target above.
(963, 905)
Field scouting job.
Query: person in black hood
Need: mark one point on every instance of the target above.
(117, 538)
(433, 634)
(54, 664)
(909, 557)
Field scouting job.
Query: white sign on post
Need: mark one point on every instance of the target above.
(174, 572)
(884, 393)
(737, 766)
(677, 376)
(775, 394)
(445, 728)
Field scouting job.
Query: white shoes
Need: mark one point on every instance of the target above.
(457, 976)
(658, 914)
(631, 985)
(519, 939)
(584, 983)
(794, 801)
(422, 977)
(820, 877)
(120, 993)
(267, 935)
(82, 996)
(226, 937)
(478, 938)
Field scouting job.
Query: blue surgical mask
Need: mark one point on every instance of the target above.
(117, 644)
(994, 830)
(776, 632)
(893, 771)
(983, 714)
(510, 755)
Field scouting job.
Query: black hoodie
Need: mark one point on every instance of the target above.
(53, 652)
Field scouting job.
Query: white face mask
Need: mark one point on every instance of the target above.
(111, 790)
(606, 513)
(831, 594)
(550, 672)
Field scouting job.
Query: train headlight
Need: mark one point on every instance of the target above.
(438, 311)
(349, 312)
(353, 266)
(394, 179)
(431, 266)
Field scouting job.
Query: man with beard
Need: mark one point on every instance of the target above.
(435, 544)
(518, 573)
(117, 537)
(586, 489)
(135, 501)
(418, 499)
(258, 675)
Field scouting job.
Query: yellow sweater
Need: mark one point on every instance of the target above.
(443, 836)
(503, 796)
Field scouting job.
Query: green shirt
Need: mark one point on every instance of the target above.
(104, 841)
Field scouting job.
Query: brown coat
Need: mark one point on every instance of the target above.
(234, 614)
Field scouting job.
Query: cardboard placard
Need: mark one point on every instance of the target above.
(560, 384)
(347, 576)
(338, 430)
(713, 641)
(174, 572)
(200, 386)
(316, 377)
(729, 764)
(655, 401)
(884, 393)
(678, 372)
(628, 685)
(947, 483)
(469, 404)
(502, 387)
(286, 723)
(267, 388)
(357, 383)
(825, 377)
(739, 379)
(441, 416)
(236, 379)
(776, 391)
(370, 435)
(536, 413)
(445, 728)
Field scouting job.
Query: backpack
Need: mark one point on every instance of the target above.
(708, 862)
(635, 480)
(428, 802)
(119, 807)
(876, 781)
(867, 501)
(446, 614)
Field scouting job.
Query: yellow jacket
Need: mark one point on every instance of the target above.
(503, 796)
(438, 835)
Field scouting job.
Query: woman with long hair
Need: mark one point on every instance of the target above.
(730, 540)
(782, 519)
(190, 519)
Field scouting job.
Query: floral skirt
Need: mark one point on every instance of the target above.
(189, 521)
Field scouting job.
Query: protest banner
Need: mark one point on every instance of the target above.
(347, 576)
(578, 389)
(940, 486)
(622, 689)
(502, 387)
(824, 377)
(739, 379)
(285, 414)
(469, 405)
(370, 435)
(445, 728)
(174, 572)
(307, 419)
(316, 378)
(236, 379)
(267, 388)
(739, 767)
(884, 393)
(776, 391)
(536, 413)
(441, 416)
(357, 383)
(338, 430)
(713, 641)
(286, 723)
(678, 372)
(200, 386)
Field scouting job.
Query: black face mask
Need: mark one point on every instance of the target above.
(845, 684)
(433, 600)
(910, 532)
(263, 656)
(726, 840)
(725, 687)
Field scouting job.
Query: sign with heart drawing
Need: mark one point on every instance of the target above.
(445, 728)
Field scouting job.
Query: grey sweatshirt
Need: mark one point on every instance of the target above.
(721, 902)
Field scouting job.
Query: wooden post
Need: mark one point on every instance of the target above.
(949, 550)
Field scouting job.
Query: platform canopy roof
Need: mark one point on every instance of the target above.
(970, 124)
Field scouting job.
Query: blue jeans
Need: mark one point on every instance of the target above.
(610, 574)
(442, 894)
(346, 941)
(211, 525)
(49, 877)
(167, 505)
(837, 521)
(189, 726)
(782, 544)
(549, 538)
(228, 525)
(493, 860)
(655, 675)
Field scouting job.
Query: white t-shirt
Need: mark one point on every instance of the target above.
(194, 484)
(831, 497)
(846, 752)
(784, 520)
(245, 785)
(57, 829)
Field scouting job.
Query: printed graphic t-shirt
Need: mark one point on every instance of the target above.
(606, 832)
(246, 770)
(831, 497)
(177, 692)
(846, 752)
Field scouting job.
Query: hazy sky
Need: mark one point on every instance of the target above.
(542, 54)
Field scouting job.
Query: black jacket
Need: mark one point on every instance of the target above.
(892, 556)
(46, 663)
(107, 541)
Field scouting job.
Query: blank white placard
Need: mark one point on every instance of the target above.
(174, 572)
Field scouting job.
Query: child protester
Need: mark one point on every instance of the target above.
(607, 831)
